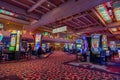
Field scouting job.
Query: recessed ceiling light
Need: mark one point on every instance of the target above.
(119, 28)
(114, 29)
(48, 5)
(8, 23)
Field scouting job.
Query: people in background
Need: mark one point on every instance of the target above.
(29, 51)
(119, 53)
(39, 52)
(23, 51)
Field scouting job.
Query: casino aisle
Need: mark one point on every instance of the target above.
(51, 68)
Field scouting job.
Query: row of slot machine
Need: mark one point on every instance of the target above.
(14, 42)
(69, 47)
(97, 44)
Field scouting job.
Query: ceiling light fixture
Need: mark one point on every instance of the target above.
(48, 5)
(114, 29)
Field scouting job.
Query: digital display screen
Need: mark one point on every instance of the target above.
(37, 41)
(104, 42)
(13, 40)
(79, 46)
(95, 42)
(12, 48)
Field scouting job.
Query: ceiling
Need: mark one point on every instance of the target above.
(100, 16)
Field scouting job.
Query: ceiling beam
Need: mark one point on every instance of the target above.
(87, 20)
(71, 7)
(37, 4)
(75, 23)
(14, 19)
(17, 10)
(80, 21)
(27, 6)
(99, 17)
(40, 6)
(33, 2)
(98, 28)
(51, 3)
(63, 1)
(45, 8)
(86, 26)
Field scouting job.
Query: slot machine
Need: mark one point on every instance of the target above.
(96, 44)
(79, 46)
(44, 47)
(104, 43)
(66, 47)
(14, 46)
(113, 46)
(38, 39)
(15, 41)
(105, 52)
(85, 44)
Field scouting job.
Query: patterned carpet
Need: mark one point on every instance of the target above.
(51, 68)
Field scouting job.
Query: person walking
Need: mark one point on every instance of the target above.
(29, 50)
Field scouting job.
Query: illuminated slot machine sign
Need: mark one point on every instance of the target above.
(37, 41)
(95, 43)
(104, 42)
(13, 42)
(112, 45)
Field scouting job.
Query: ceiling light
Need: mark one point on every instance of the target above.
(8, 23)
(114, 29)
(119, 28)
(48, 5)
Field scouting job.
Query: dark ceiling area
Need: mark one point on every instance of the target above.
(100, 16)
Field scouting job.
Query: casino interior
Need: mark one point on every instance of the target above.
(59, 40)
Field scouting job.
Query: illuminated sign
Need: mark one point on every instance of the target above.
(116, 7)
(101, 9)
(37, 41)
(61, 29)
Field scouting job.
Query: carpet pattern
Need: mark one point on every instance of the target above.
(51, 68)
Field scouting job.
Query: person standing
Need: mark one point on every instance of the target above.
(119, 53)
(29, 50)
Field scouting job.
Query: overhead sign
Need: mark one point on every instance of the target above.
(1, 25)
(61, 29)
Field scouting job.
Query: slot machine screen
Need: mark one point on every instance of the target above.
(95, 43)
(13, 42)
(104, 42)
(37, 41)
(79, 46)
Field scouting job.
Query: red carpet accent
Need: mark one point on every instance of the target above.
(51, 68)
